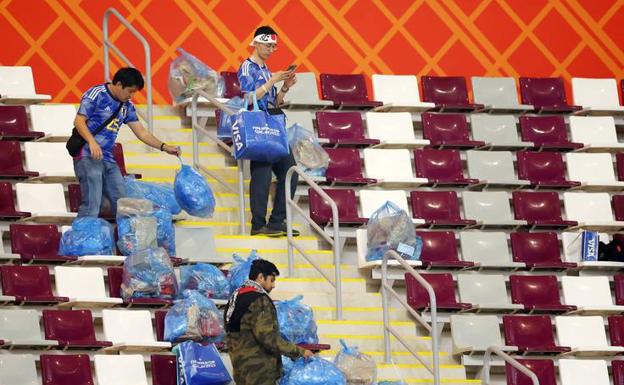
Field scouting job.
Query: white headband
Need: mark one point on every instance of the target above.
(264, 39)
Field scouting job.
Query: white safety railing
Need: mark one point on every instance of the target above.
(487, 359)
(148, 60)
(334, 242)
(388, 329)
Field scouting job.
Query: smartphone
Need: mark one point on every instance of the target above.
(291, 67)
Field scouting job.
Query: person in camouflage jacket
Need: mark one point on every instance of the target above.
(252, 332)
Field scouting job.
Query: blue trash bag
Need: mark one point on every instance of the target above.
(287, 365)
(314, 371)
(391, 228)
(239, 272)
(88, 236)
(165, 231)
(160, 194)
(357, 367)
(188, 74)
(199, 364)
(136, 225)
(193, 317)
(193, 192)
(307, 151)
(205, 278)
(296, 321)
(149, 274)
(227, 118)
(259, 136)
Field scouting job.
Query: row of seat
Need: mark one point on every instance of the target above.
(571, 372)
(47, 122)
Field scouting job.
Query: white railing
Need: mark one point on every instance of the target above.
(334, 242)
(148, 61)
(388, 329)
(487, 359)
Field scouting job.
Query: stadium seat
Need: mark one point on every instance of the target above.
(547, 133)
(347, 91)
(531, 334)
(438, 208)
(443, 287)
(538, 250)
(50, 161)
(55, 121)
(302, 118)
(304, 94)
(440, 250)
(346, 201)
(493, 168)
(130, 330)
(159, 324)
(19, 328)
(616, 330)
(196, 244)
(51, 210)
(583, 372)
(572, 252)
(539, 209)
(543, 369)
(114, 279)
(164, 369)
(84, 286)
(398, 93)
(75, 198)
(7, 204)
(617, 368)
(118, 154)
(37, 243)
(342, 128)
(591, 210)
(589, 294)
(485, 292)
(449, 93)
(14, 124)
(391, 167)
(489, 209)
(18, 369)
(475, 333)
(487, 249)
(66, 369)
(497, 131)
(232, 86)
(28, 284)
(596, 133)
(537, 293)
(71, 328)
(345, 167)
(127, 369)
(371, 200)
(11, 165)
(393, 130)
(543, 169)
(17, 86)
(497, 94)
(441, 167)
(594, 171)
(597, 96)
(547, 95)
(618, 207)
(592, 340)
(618, 280)
(619, 160)
(447, 130)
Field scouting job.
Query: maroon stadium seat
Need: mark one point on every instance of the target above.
(537, 293)
(438, 208)
(448, 93)
(440, 250)
(531, 334)
(11, 164)
(618, 280)
(28, 284)
(164, 369)
(75, 198)
(345, 167)
(7, 204)
(545, 94)
(448, 130)
(617, 368)
(539, 209)
(71, 328)
(115, 277)
(66, 369)
(538, 250)
(443, 287)
(346, 201)
(546, 132)
(14, 124)
(37, 243)
(232, 86)
(442, 167)
(543, 169)
(342, 129)
(118, 154)
(347, 91)
(543, 369)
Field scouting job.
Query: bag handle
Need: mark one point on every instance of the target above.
(255, 101)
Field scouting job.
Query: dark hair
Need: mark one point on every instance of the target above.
(262, 266)
(129, 77)
(265, 30)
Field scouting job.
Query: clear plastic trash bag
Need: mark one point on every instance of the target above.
(160, 194)
(205, 278)
(88, 236)
(296, 321)
(193, 192)
(193, 317)
(391, 228)
(358, 368)
(188, 74)
(307, 150)
(314, 371)
(142, 225)
(239, 272)
(149, 274)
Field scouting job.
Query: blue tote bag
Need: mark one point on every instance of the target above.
(260, 136)
(200, 365)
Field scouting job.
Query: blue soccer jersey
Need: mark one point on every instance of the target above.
(98, 104)
(251, 76)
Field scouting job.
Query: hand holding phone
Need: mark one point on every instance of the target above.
(292, 67)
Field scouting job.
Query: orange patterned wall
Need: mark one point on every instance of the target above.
(61, 39)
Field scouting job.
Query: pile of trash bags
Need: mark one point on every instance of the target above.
(307, 151)
(391, 228)
(143, 225)
(194, 317)
(239, 272)
(296, 321)
(149, 274)
(188, 74)
(205, 278)
(314, 371)
(158, 193)
(193, 193)
(88, 236)
(358, 368)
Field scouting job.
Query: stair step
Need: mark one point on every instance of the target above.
(360, 314)
(349, 285)
(418, 371)
(163, 159)
(263, 242)
(164, 122)
(277, 255)
(232, 227)
(365, 329)
(398, 356)
(374, 342)
(170, 170)
(174, 137)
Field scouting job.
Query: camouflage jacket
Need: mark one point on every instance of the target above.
(255, 345)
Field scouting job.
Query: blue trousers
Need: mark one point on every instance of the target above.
(98, 178)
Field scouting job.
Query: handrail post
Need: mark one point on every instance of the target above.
(487, 358)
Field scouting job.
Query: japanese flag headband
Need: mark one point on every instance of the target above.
(264, 38)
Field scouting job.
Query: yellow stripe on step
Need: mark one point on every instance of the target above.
(319, 279)
(418, 366)
(185, 155)
(378, 353)
(353, 309)
(176, 167)
(255, 236)
(209, 180)
(427, 380)
(215, 223)
(361, 322)
(366, 337)
(260, 251)
(201, 144)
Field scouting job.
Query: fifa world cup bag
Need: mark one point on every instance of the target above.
(260, 136)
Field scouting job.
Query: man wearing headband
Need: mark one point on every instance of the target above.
(254, 75)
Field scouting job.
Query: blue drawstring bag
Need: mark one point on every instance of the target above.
(307, 151)
(199, 364)
(205, 278)
(165, 231)
(194, 317)
(149, 274)
(260, 136)
(296, 321)
(314, 371)
(88, 236)
(227, 117)
(358, 368)
(160, 194)
(239, 272)
(193, 192)
(391, 228)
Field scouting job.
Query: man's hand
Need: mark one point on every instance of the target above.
(281, 76)
(289, 82)
(307, 354)
(172, 150)
(96, 151)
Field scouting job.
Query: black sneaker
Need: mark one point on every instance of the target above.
(282, 229)
(265, 231)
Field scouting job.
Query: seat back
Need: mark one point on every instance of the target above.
(232, 85)
(398, 90)
(7, 203)
(339, 125)
(528, 331)
(616, 330)
(29, 198)
(536, 206)
(534, 290)
(444, 89)
(388, 164)
(390, 126)
(73, 326)
(495, 129)
(435, 205)
(127, 326)
(586, 291)
(543, 129)
(20, 324)
(593, 130)
(443, 287)
(541, 166)
(587, 207)
(344, 163)
(371, 200)
(26, 281)
(589, 92)
(582, 372)
(31, 240)
(48, 158)
(617, 369)
(494, 91)
(543, 369)
(79, 282)
(535, 247)
(196, 243)
(66, 369)
(159, 323)
(11, 158)
(305, 90)
(118, 155)
(438, 246)
(18, 369)
(13, 120)
(114, 277)
(482, 289)
(320, 210)
(302, 118)
(164, 366)
(618, 280)
(488, 248)
(478, 332)
(619, 160)
(53, 120)
(491, 165)
(595, 167)
(486, 206)
(593, 334)
(75, 199)
(445, 127)
(344, 88)
(438, 165)
(16, 80)
(127, 369)
(543, 92)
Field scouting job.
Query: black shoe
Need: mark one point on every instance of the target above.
(265, 231)
(282, 228)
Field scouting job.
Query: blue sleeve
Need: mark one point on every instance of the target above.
(132, 115)
(246, 76)
(87, 105)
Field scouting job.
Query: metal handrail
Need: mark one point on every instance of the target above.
(148, 60)
(487, 358)
(334, 242)
(196, 127)
(388, 329)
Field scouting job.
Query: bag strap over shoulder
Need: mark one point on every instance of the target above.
(255, 101)
(109, 120)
